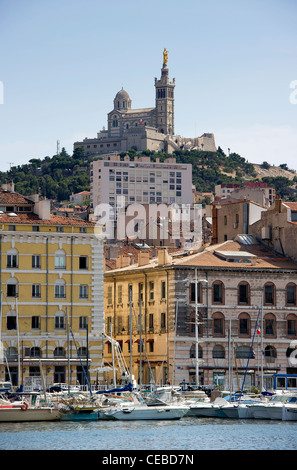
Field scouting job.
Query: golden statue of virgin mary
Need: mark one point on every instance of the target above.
(165, 57)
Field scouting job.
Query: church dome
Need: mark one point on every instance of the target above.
(122, 100)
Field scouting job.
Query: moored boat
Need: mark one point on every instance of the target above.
(145, 412)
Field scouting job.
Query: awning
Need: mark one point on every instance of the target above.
(150, 340)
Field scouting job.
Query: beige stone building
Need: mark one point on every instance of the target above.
(150, 128)
(277, 228)
(232, 278)
(232, 218)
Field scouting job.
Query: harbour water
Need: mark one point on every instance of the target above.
(184, 435)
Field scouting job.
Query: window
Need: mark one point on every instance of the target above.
(35, 352)
(120, 294)
(291, 294)
(269, 294)
(270, 325)
(218, 292)
(151, 321)
(11, 320)
(83, 262)
(130, 292)
(36, 290)
(243, 293)
(12, 258)
(151, 345)
(35, 323)
(60, 321)
(218, 352)
(140, 291)
(193, 292)
(35, 228)
(218, 324)
(291, 326)
(270, 352)
(244, 324)
(193, 351)
(163, 321)
(163, 289)
(192, 324)
(35, 261)
(59, 352)
(242, 352)
(83, 323)
(109, 295)
(60, 289)
(83, 291)
(12, 288)
(59, 228)
(151, 289)
(60, 260)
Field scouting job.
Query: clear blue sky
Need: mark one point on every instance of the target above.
(63, 61)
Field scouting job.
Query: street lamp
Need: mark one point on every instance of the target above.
(196, 325)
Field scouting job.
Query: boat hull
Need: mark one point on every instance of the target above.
(289, 413)
(275, 412)
(260, 412)
(148, 413)
(8, 415)
(202, 411)
(230, 412)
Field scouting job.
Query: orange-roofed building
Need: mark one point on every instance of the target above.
(232, 278)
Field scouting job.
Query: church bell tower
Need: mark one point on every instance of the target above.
(165, 99)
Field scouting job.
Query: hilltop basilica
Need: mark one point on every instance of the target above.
(146, 128)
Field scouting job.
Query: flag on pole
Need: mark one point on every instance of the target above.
(258, 331)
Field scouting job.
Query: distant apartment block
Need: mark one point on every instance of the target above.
(140, 180)
(257, 192)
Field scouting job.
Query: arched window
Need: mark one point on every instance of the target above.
(269, 294)
(60, 259)
(192, 326)
(244, 325)
(82, 351)
(218, 292)
(291, 294)
(11, 353)
(292, 325)
(193, 351)
(35, 352)
(270, 325)
(218, 324)
(243, 352)
(59, 352)
(218, 352)
(243, 293)
(270, 352)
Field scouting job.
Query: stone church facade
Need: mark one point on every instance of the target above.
(146, 128)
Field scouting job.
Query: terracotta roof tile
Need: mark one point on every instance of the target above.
(10, 198)
(31, 218)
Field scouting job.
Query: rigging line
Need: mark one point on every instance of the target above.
(250, 352)
(151, 373)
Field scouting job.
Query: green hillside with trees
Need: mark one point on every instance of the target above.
(59, 176)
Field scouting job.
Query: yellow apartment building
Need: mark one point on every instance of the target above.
(51, 295)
